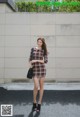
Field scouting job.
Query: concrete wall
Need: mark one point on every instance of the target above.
(4, 8)
(19, 32)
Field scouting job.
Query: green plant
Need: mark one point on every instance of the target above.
(70, 7)
(24, 6)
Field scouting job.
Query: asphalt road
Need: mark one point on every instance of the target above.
(56, 103)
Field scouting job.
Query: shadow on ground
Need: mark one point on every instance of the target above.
(49, 97)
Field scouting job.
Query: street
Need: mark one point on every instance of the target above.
(56, 103)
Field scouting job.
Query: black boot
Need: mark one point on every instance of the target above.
(34, 107)
(38, 108)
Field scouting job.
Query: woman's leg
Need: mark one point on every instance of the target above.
(41, 89)
(35, 91)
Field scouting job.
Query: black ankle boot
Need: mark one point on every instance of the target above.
(34, 107)
(38, 107)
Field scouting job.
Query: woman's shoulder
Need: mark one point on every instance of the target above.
(33, 48)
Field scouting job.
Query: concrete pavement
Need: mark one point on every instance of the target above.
(47, 86)
(56, 102)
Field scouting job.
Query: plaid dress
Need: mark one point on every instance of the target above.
(39, 69)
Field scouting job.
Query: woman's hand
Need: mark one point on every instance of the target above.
(34, 61)
(41, 61)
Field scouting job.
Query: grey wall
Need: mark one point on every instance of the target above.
(19, 32)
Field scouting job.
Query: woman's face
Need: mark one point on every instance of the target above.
(39, 42)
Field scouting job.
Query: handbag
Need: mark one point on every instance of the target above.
(30, 73)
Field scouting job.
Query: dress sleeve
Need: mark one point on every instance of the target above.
(45, 58)
(30, 57)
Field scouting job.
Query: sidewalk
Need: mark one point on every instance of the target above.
(47, 86)
(59, 99)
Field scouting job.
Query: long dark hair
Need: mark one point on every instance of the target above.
(44, 46)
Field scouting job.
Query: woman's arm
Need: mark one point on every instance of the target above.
(30, 57)
(46, 59)
(41, 61)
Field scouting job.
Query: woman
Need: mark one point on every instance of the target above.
(38, 58)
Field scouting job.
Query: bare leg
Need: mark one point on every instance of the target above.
(35, 91)
(41, 90)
